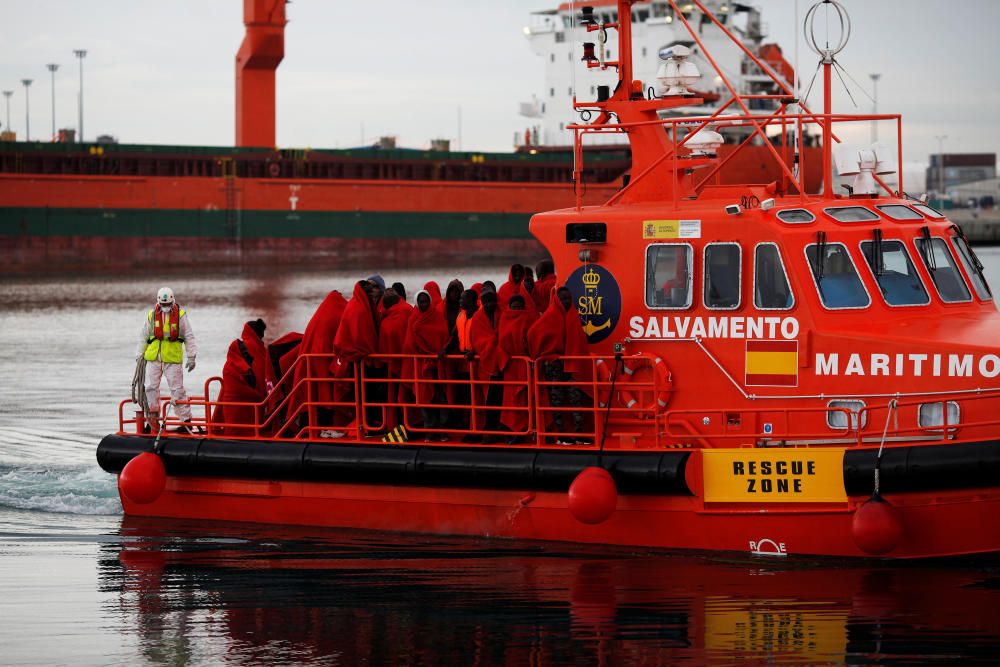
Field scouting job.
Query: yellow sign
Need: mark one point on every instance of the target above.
(671, 229)
(774, 626)
(774, 475)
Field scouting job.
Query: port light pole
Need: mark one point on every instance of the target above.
(7, 94)
(875, 77)
(27, 110)
(940, 139)
(81, 54)
(52, 67)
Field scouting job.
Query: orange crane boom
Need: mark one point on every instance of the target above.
(257, 61)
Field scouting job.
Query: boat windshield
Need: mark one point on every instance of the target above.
(972, 267)
(771, 290)
(940, 264)
(668, 275)
(897, 276)
(836, 278)
(722, 276)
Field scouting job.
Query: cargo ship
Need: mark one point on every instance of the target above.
(78, 205)
(737, 368)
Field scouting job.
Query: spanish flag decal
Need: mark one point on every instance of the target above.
(772, 363)
(398, 435)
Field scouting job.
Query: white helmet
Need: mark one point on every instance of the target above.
(165, 297)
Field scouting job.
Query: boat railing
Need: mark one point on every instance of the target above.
(647, 166)
(590, 407)
(920, 418)
(928, 417)
(781, 150)
(316, 399)
(773, 426)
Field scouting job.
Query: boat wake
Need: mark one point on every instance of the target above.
(50, 471)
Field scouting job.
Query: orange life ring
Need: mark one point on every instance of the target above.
(663, 379)
(274, 169)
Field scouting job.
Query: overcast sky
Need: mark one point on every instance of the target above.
(163, 72)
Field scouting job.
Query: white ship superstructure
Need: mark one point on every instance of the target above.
(555, 36)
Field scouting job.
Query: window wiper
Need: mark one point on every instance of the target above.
(878, 258)
(926, 249)
(820, 254)
(968, 246)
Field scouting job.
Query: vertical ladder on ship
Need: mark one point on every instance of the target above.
(233, 222)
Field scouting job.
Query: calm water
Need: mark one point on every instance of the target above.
(83, 585)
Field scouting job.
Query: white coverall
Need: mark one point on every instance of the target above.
(155, 370)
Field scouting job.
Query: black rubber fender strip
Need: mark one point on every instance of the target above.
(658, 473)
(966, 465)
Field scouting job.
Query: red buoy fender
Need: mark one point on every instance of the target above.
(143, 479)
(593, 496)
(877, 527)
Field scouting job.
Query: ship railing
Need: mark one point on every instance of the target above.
(393, 385)
(950, 416)
(780, 148)
(915, 417)
(757, 427)
(575, 403)
(369, 399)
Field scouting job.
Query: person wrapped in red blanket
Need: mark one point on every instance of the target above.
(317, 340)
(253, 337)
(434, 291)
(514, 324)
(242, 389)
(396, 315)
(484, 348)
(427, 335)
(513, 286)
(557, 333)
(357, 338)
(545, 282)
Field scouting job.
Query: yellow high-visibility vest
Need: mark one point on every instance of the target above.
(170, 351)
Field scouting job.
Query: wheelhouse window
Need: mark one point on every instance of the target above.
(851, 214)
(973, 267)
(796, 216)
(900, 212)
(722, 273)
(836, 278)
(771, 290)
(668, 275)
(895, 274)
(929, 212)
(940, 264)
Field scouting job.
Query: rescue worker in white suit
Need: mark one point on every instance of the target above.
(165, 334)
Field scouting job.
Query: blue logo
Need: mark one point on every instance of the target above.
(598, 300)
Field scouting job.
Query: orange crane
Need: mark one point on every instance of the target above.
(257, 61)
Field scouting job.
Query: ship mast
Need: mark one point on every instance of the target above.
(827, 53)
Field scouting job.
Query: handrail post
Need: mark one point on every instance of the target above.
(360, 411)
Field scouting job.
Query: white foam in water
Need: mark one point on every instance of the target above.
(73, 489)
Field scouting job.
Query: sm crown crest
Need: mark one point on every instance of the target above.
(591, 279)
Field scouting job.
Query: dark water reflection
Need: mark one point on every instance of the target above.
(195, 592)
(79, 586)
